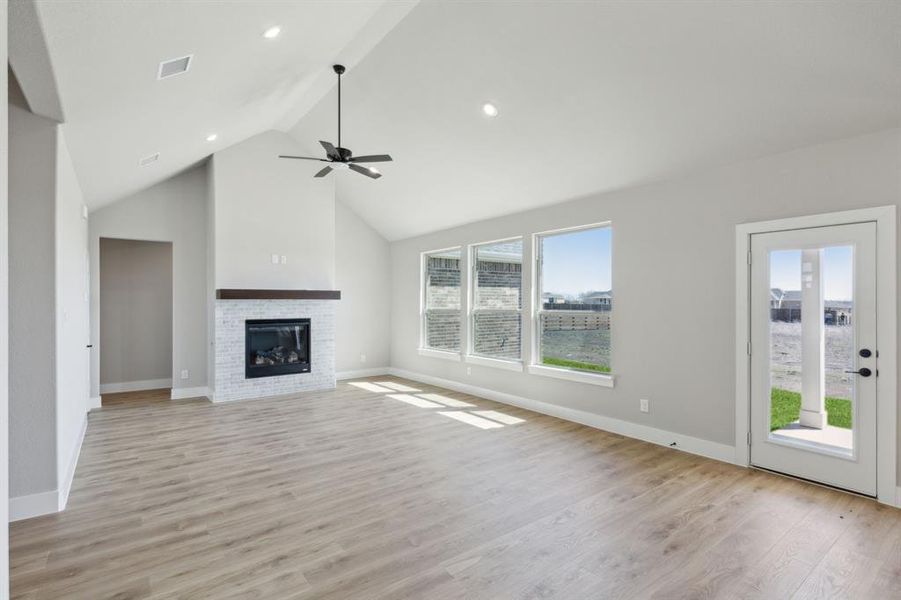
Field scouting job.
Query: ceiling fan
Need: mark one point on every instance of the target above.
(343, 158)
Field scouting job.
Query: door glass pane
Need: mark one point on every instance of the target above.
(812, 347)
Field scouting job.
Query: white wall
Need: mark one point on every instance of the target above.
(32, 389)
(4, 316)
(265, 205)
(363, 274)
(172, 211)
(673, 278)
(72, 316)
(135, 312)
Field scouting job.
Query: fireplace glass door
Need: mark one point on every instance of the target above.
(277, 347)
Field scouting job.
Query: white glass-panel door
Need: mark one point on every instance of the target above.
(813, 354)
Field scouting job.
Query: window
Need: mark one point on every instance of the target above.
(575, 303)
(441, 300)
(496, 325)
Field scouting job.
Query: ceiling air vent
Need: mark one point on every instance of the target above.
(176, 66)
(149, 159)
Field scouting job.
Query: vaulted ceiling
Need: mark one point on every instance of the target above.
(105, 55)
(598, 96)
(592, 96)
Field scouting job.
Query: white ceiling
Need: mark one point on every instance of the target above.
(105, 56)
(598, 96)
(593, 96)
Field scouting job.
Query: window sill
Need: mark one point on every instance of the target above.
(570, 375)
(443, 354)
(497, 363)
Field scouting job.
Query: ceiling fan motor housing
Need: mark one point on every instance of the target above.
(344, 154)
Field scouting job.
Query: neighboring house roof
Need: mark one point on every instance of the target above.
(794, 296)
(598, 295)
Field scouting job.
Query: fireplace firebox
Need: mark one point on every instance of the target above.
(276, 347)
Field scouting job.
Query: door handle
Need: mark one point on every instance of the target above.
(864, 372)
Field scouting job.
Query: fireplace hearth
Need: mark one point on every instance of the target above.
(276, 347)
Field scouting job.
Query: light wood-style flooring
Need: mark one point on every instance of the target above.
(134, 398)
(354, 494)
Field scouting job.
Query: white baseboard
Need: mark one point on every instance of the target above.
(374, 372)
(66, 483)
(714, 450)
(51, 501)
(94, 402)
(189, 392)
(135, 386)
(33, 505)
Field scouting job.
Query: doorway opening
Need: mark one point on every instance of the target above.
(135, 319)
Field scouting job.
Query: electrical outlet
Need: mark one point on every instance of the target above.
(184, 373)
(284, 259)
(362, 358)
(275, 259)
(643, 405)
(469, 370)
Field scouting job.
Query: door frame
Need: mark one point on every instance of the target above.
(886, 317)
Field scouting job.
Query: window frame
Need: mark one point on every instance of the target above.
(536, 367)
(424, 349)
(471, 310)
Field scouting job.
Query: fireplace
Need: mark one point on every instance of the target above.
(276, 347)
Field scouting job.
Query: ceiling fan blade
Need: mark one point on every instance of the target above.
(364, 171)
(330, 150)
(302, 157)
(371, 158)
(323, 172)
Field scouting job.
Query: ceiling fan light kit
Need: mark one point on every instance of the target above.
(338, 157)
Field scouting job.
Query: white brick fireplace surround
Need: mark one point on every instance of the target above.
(230, 383)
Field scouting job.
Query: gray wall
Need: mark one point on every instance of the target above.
(135, 310)
(362, 269)
(673, 278)
(32, 390)
(48, 330)
(172, 211)
(265, 205)
(4, 315)
(210, 202)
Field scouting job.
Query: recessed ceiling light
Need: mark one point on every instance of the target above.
(489, 109)
(212, 137)
(272, 32)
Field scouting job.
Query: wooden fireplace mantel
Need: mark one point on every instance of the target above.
(233, 294)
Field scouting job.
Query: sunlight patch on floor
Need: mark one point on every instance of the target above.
(371, 387)
(414, 401)
(397, 387)
(469, 419)
(446, 401)
(499, 417)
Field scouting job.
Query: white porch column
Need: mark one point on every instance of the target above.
(813, 341)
